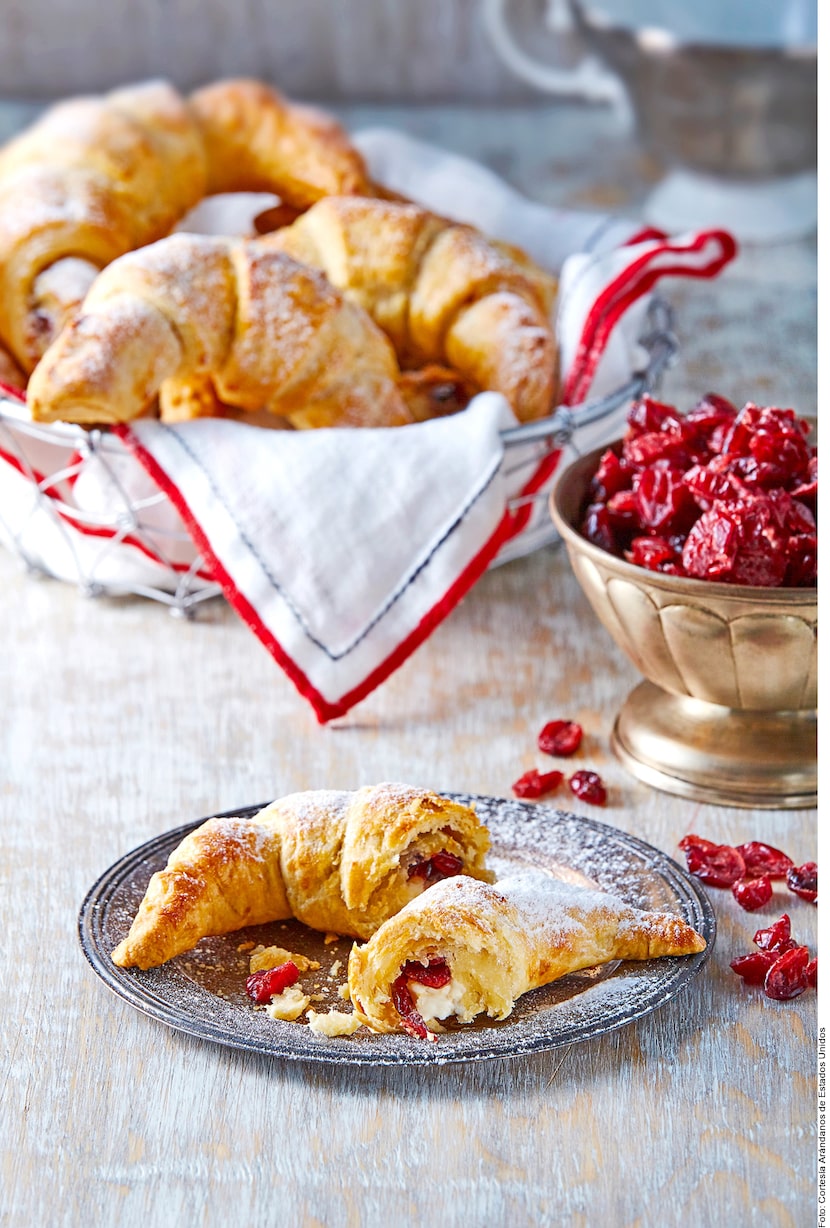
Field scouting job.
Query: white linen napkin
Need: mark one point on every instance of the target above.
(343, 549)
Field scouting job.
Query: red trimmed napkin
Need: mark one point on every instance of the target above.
(341, 549)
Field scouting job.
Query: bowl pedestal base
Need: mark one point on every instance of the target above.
(715, 754)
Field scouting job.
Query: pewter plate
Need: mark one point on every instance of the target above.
(202, 992)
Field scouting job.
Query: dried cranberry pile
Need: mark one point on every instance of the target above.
(749, 869)
(780, 964)
(562, 739)
(716, 494)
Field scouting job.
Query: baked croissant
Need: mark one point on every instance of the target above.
(468, 948)
(96, 177)
(442, 292)
(337, 861)
(192, 314)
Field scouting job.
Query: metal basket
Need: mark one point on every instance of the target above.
(183, 587)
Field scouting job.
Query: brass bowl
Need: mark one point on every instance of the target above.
(728, 710)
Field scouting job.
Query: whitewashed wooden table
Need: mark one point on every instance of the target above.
(119, 722)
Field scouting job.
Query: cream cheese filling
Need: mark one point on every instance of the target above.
(440, 1003)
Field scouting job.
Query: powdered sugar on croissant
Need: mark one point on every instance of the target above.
(338, 861)
(266, 332)
(96, 177)
(442, 292)
(469, 948)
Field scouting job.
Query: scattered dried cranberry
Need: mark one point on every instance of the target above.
(560, 738)
(719, 865)
(763, 859)
(754, 968)
(787, 978)
(775, 937)
(536, 784)
(437, 867)
(812, 973)
(753, 893)
(588, 787)
(262, 986)
(803, 880)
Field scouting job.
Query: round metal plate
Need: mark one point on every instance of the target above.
(202, 993)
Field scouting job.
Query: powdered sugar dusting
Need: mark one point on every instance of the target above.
(203, 993)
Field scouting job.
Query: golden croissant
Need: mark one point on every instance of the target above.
(442, 292)
(194, 316)
(96, 177)
(337, 861)
(467, 948)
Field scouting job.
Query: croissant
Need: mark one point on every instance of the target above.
(10, 373)
(337, 861)
(442, 292)
(468, 948)
(270, 334)
(96, 177)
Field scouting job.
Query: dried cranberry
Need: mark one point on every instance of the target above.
(648, 415)
(812, 973)
(719, 865)
(597, 527)
(588, 787)
(612, 475)
(437, 867)
(645, 450)
(803, 880)
(775, 937)
(760, 858)
(435, 973)
(263, 986)
(692, 841)
(560, 738)
(664, 503)
(536, 784)
(753, 893)
(623, 511)
(411, 1021)
(651, 552)
(754, 968)
(787, 978)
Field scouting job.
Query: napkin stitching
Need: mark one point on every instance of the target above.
(487, 479)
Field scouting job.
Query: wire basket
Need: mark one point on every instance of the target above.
(54, 533)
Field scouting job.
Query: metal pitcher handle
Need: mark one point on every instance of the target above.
(589, 79)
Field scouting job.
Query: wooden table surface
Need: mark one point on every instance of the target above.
(119, 722)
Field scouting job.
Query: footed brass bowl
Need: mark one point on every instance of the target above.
(727, 713)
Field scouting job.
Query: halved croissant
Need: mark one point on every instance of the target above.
(468, 948)
(270, 334)
(96, 177)
(442, 292)
(338, 861)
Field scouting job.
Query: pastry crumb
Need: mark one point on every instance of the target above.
(344, 991)
(288, 1005)
(330, 938)
(264, 958)
(335, 1023)
(335, 968)
(246, 946)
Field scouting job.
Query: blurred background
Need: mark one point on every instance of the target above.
(334, 50)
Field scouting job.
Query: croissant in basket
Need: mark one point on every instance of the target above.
(96, 177)
(337, 861)
(192, 317)
(468, 948)
(442, 292)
